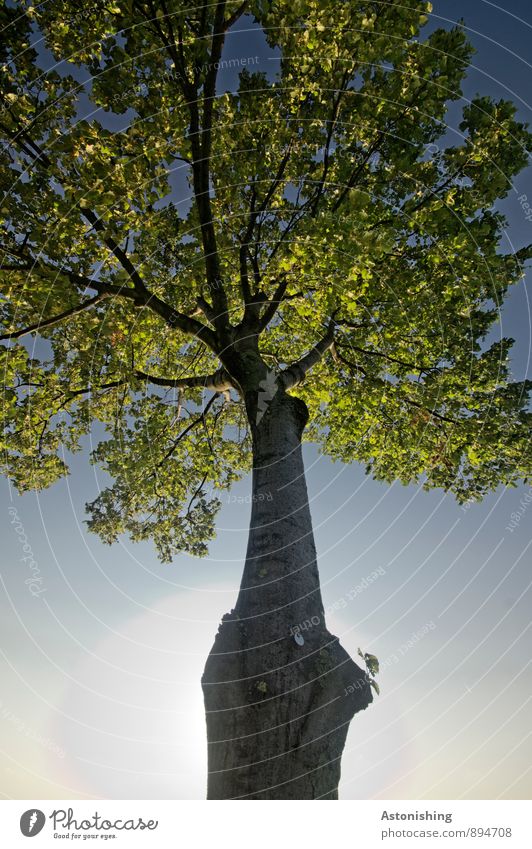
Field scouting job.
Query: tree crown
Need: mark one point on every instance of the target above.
(334, 234)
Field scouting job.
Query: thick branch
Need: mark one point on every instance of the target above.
(201, 143)
(219, 381)
(206, 309)
(179, 320)
(273, 305)
(209, 88)
(115, 249)
(145, 298)
(200, 140)
(244, 277)
(295, 374)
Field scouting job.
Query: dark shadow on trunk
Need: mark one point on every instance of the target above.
(279, 689)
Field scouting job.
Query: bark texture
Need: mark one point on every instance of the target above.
(277, 710)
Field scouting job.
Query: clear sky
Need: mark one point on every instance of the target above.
(100, 672)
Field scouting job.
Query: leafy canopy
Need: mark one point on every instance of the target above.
(165, 239)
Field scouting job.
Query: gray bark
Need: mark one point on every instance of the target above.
(277, 711)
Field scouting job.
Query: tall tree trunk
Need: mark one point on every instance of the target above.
(279, 689)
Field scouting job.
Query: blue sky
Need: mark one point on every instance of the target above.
(100, 671)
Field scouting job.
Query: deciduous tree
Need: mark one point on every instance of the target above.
(335, 272)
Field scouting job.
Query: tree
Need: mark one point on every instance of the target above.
(337, 271)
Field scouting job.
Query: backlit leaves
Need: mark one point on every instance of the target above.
(330, 171)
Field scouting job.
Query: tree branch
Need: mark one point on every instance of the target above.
(352, 181)
(140, 297)
(375, 146)
(219, 381)
(294, 219)
(338, 357)
(273, 304)
(244, 278)
(232, 19)
(144, 297)
(428, 410)
(413, 366)
(326, 155)
(405, 398)
(201, 143)
(56, 319)
(116, 250)
(206, 309)
(179, 320)
(295, 373)
(140, 294)
(189, 427)
(430, 195)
